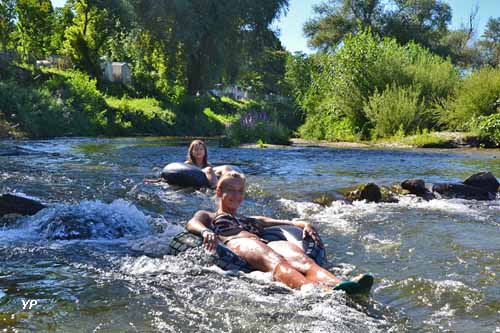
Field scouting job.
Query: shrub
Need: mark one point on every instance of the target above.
(395, 109)
(35, 111)
(489, 128)
(261, 131)
(85, 109)
(344, 82)
(477, 95)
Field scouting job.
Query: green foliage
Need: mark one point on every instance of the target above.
(328, 128)
(395, 109)
(477, 95)
(489, 45)
(489, 128)
(336, 18)
(262, 131)
(7, 22)
(143, 115)
(420, 139)
(36, 111)
(423, 21)
(344, 84)
(84, 106)
(34, 22)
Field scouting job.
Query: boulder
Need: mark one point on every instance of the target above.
(483, 180)
(417, 187)
(369, 192)
(13, 204)
(462, 191)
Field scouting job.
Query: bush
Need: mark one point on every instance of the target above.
(395, 109)
(84, 107)
(261, 131)
(343, 83)
(477, 95)
(35, 111)
(489, 128)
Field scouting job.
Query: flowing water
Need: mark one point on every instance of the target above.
(436, 263)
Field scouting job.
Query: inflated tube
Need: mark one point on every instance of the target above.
(186, 175)
(228, 260)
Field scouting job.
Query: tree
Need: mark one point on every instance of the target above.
(7, 23)
(336, 18)
(489, 44)
(63, 18)
(423, 21)
(95, 22)
(208, 37)
(34, 22)
(458, 44)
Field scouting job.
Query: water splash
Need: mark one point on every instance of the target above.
(90, 220)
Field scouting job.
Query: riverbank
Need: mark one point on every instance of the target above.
(445, 140)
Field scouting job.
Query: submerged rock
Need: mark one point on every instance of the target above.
(13, 204)
(326, 198)
(92, 220)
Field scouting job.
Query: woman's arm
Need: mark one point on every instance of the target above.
(308, 229)
(200, 225)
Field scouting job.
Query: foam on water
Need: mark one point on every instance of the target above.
(373, 243)
(89, 220)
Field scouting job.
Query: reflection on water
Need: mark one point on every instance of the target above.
(436, 263)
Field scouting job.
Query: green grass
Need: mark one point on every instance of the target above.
(425, 139)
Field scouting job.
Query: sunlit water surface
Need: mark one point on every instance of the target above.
(436, 263)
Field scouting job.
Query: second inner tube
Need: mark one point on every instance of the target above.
(186, 175)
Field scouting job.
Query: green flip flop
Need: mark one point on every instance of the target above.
(361, 286)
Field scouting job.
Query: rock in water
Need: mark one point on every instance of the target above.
(417, 187)
(483, 180)
(461, 191)
(13, 204)
(369, 192)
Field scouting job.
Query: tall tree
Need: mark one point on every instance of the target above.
(335, 18)
(63, 18)
(94, 23)
(423, 21)
(7, 22)
(34, 22)
(490, 42)
(208, 36)
(458, 44)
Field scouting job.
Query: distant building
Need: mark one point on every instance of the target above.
(116, 71)
(236, 92)
(232, 91)
(54, 61)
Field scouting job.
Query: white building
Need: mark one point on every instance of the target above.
(116, 71)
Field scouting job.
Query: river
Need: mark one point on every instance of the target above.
(436, 263)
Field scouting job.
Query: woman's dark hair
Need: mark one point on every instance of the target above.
(190, 156)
